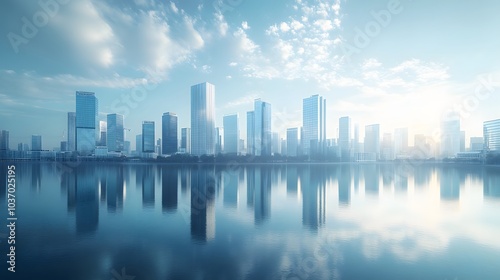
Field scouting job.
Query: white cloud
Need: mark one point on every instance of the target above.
(284, 27)
(245, 26)
(221, 23)
(174, 7)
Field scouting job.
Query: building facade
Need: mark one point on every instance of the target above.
(71, 131)
(345, 138)
(115, 133)
(148, 137)
(185, 140)
(86, 122)
(313, 124)
(372, 141)
(292, 142)
(450, 138)
(491, 134)
(169, 133)
(231, 134)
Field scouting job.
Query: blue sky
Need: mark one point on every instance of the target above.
(398, 63)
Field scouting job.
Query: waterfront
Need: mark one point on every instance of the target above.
(338, 221)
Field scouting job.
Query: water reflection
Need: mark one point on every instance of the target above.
(449, 184)
(312, 182)
(345, 185)
(169, 181)
(203, 187)
(491, 183)
(86, 200)
(114, 188)
(148, 186)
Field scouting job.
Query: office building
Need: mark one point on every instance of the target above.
(115, 133)
(276, 144)
(345, 138)
(219, 144)
(169, 133)
(138, 144)
(185, 140)
(372, 142)
(103, 128)
(4, 140)
(292, 142)
(148, 137)
(476, 144)
(313, 124)
(86, 122)
(203, 119)
(231, 134)
(71, 131)
(450, 138)
(260, 135)
(400, 142)
(250, 132)
(36, 142)
(491, 134)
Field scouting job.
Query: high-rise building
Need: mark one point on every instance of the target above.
(450, 138)
(103, 129)
(148, 137)
(276, 143)
(345, 138)
(292, 141)
(169, 133)
(372, 141)
(219, 144)
(400, 141)
(386, 148)
(203, 119)
(186, 140)
(476, 144)
(115, 133)
(86, 122)
(71, 131)
(138, 144)
(356, 144)
(36, 142)
(250, 133)
(313, 124)
(262, 128)
(491, 134)
(231, 134)
(4, 140)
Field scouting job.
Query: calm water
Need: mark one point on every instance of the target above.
(257, 222)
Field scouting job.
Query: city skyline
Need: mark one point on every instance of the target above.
(297, 52)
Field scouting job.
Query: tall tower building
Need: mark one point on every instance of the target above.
(71, 131)
(372, 141)
(86, 122)
(313, 124)
(203, 119)
(115, 133)
(103, 131)
(148, 137)
(231, 134)
(450, 138)
(4, 140)
(186, 140)
(292, 141)
(169, 133)
(36, 142)
(345, 138)
(250, 133)
(491, 135)
(262, 135)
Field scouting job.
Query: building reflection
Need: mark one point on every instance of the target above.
(36, 177)
(400, 179)
(114, 188)
(371, 175)
(203, 187)
(449, 184)
(313, 188)
(262, 198)
(292, 180)
(356, 177)
(231, 179)
(422, 176)
(148, 186)
(491, 183)
(387, 175)
(185, 179)
(250, 186)
(68, 179)
(87, 199)
(169, 184)
(345, 185)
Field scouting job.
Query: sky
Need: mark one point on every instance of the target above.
(397, 63)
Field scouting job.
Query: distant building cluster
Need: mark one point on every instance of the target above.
(87, 136)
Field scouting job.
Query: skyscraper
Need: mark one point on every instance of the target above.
(115, 133)
(450, 138)
(219, 144)
(491, 134)
(148, 137)
(262, 128)
(292, 141)
(186, 140)
(476, 144)
(313, 124)
(231, 134)
(138, 144)
(372, 141)
(103, 131)
(203, 119)
(345, 138)
(86, 122)
(71, 131)
(250, 132)
(276, 143)
(400, 141)
(36, 142)
(4, 140)
(169, 133)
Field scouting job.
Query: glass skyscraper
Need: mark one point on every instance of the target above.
(36, 142)
(4, 140)
(345, 138)
(203, 119)
(169, 133)
(231, 134)
(491, 134)
(261, 141)
(115, 138)
(292, 142)
(86, 122)
(450, 138)
(148, 137)
(250, 133)
(186, 140)
(71, 131)
(372, 141)
(313, 124)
